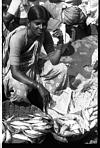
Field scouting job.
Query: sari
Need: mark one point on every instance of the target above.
(53, 77)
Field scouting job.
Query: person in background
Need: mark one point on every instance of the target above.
(21, 73)
(5, 30)
(64, 12)
(17, 13)
(92, 8)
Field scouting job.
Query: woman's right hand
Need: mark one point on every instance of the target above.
(45, 95)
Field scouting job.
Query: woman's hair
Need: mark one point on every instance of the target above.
(55, 1)
(38, 12)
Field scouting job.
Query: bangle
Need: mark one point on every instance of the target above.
(60, 41)
(59, 46)
(37, 85)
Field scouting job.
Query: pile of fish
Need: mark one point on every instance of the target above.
(78, 123)
(29, 128)
(82, 113)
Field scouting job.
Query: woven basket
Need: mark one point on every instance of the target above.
(20, 110)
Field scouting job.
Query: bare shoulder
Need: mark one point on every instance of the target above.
(19, 36)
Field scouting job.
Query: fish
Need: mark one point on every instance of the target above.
(90, 110)
(30, 115)
(21, 118)
(43, 115)
(3, 127)
(39, 124)
(63, 128)
(93, 123)
(87, 114)
(42, 127)
(32, 133)
(33, 120)
(21, 136)
(69, 122)
(3, 137)
(21, 127)
(76, 131)
(37, 118)
(92, 118)
(8, 136)
(68, 133)
(86, 123)
(95, 113)
(9, 119)
(19, 123)
(74, 127)
(13, 129)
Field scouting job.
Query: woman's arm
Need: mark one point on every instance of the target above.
(12, 10)
(16, 48)
(22, 77)
(53, 55)
(7, 19)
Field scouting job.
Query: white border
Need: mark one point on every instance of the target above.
(1, 74)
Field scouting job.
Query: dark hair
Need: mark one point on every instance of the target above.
(38, 12)
(55, 1)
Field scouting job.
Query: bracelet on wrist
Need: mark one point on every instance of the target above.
(60, 40)
(37, 85)
(59, 46)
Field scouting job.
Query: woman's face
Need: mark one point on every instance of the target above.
(37, 27)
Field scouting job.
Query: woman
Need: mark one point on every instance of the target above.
(21, 71)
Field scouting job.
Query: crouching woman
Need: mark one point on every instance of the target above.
(20, 68)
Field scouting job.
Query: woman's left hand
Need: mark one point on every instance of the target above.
(45, 95)
(57, 33)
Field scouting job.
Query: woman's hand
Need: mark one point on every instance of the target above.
(45, 95)
(58, 34)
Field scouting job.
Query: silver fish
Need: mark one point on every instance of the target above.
(21, 136)
(8, 136)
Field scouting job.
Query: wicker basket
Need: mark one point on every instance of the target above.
(20, 110)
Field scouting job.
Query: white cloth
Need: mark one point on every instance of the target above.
(92, 11)
(17, 8)
(76, 111)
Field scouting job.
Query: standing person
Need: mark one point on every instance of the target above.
(21, 71)
(17, 13)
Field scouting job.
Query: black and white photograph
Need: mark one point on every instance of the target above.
(49, 72)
